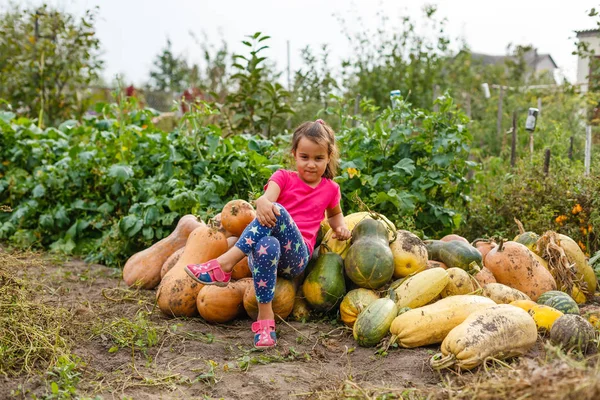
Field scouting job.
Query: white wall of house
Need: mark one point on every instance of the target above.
(583, 63)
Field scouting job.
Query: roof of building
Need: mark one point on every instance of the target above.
(531, 58)
(587, 32)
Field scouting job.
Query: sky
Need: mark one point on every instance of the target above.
(133, 32)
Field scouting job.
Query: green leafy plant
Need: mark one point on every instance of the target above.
(409, 163)
(139, 334)
(63, 379)
(565, 201)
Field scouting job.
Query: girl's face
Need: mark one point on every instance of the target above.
(311, 160)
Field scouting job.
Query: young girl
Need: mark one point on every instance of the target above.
(282, 238)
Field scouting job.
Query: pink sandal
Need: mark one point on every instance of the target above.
(265, 336)
(208, 273)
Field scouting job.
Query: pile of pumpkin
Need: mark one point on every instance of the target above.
(478, 300)
(194, 242)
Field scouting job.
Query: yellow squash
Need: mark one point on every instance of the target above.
(503, 294)
(354, 303)
(421, 288)
(500, 332)
(410, 254)
(524, 304)
(459, 283)
(544, 316)
(430, 324)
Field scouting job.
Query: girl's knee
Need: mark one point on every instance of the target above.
(281, 208)
(268, 241)
(267, 245)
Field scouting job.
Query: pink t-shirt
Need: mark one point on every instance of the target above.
(305, 204)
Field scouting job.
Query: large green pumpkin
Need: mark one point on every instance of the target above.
(373, 324)
(560, 301)
(324, 286)
(369, 262)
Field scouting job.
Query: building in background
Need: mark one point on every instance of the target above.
(588, 71)
(539, 63)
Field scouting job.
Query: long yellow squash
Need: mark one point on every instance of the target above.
(421, 288)
(500, 332)
(430, 324)
(503, 294)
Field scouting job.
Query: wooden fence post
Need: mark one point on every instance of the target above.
(547, 162)
(289, 82)
(356, 108)
(499, 121)
(588, 149)
(513, 146)
(571, 148)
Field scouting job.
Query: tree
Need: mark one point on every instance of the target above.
(47, 59)
(171, 72)
(258, 102)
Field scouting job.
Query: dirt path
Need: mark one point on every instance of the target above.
(188, 358)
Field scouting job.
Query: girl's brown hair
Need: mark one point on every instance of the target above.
(321, 133)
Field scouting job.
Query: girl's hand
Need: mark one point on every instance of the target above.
(342, 233)
(266, 212)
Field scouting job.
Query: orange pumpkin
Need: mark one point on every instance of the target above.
(484, 246)
(177, 292)
(283, 300)
(484, 277)
(243, 284)
(236, 216)
(451, 237)
(514, 265)
(143, 268)
(171, 261)
(220, 304)
(241, 269)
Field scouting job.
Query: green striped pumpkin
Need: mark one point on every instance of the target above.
(373, 324)
(560, 301)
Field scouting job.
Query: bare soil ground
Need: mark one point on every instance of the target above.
(128, 349)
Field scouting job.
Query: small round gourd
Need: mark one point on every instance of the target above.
(373, 324)
(283, 299)
(573, 332)
(236, 215)
(560, 301)
(354, 303)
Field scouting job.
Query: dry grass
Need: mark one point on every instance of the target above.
(553, 375)
(32, 334)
